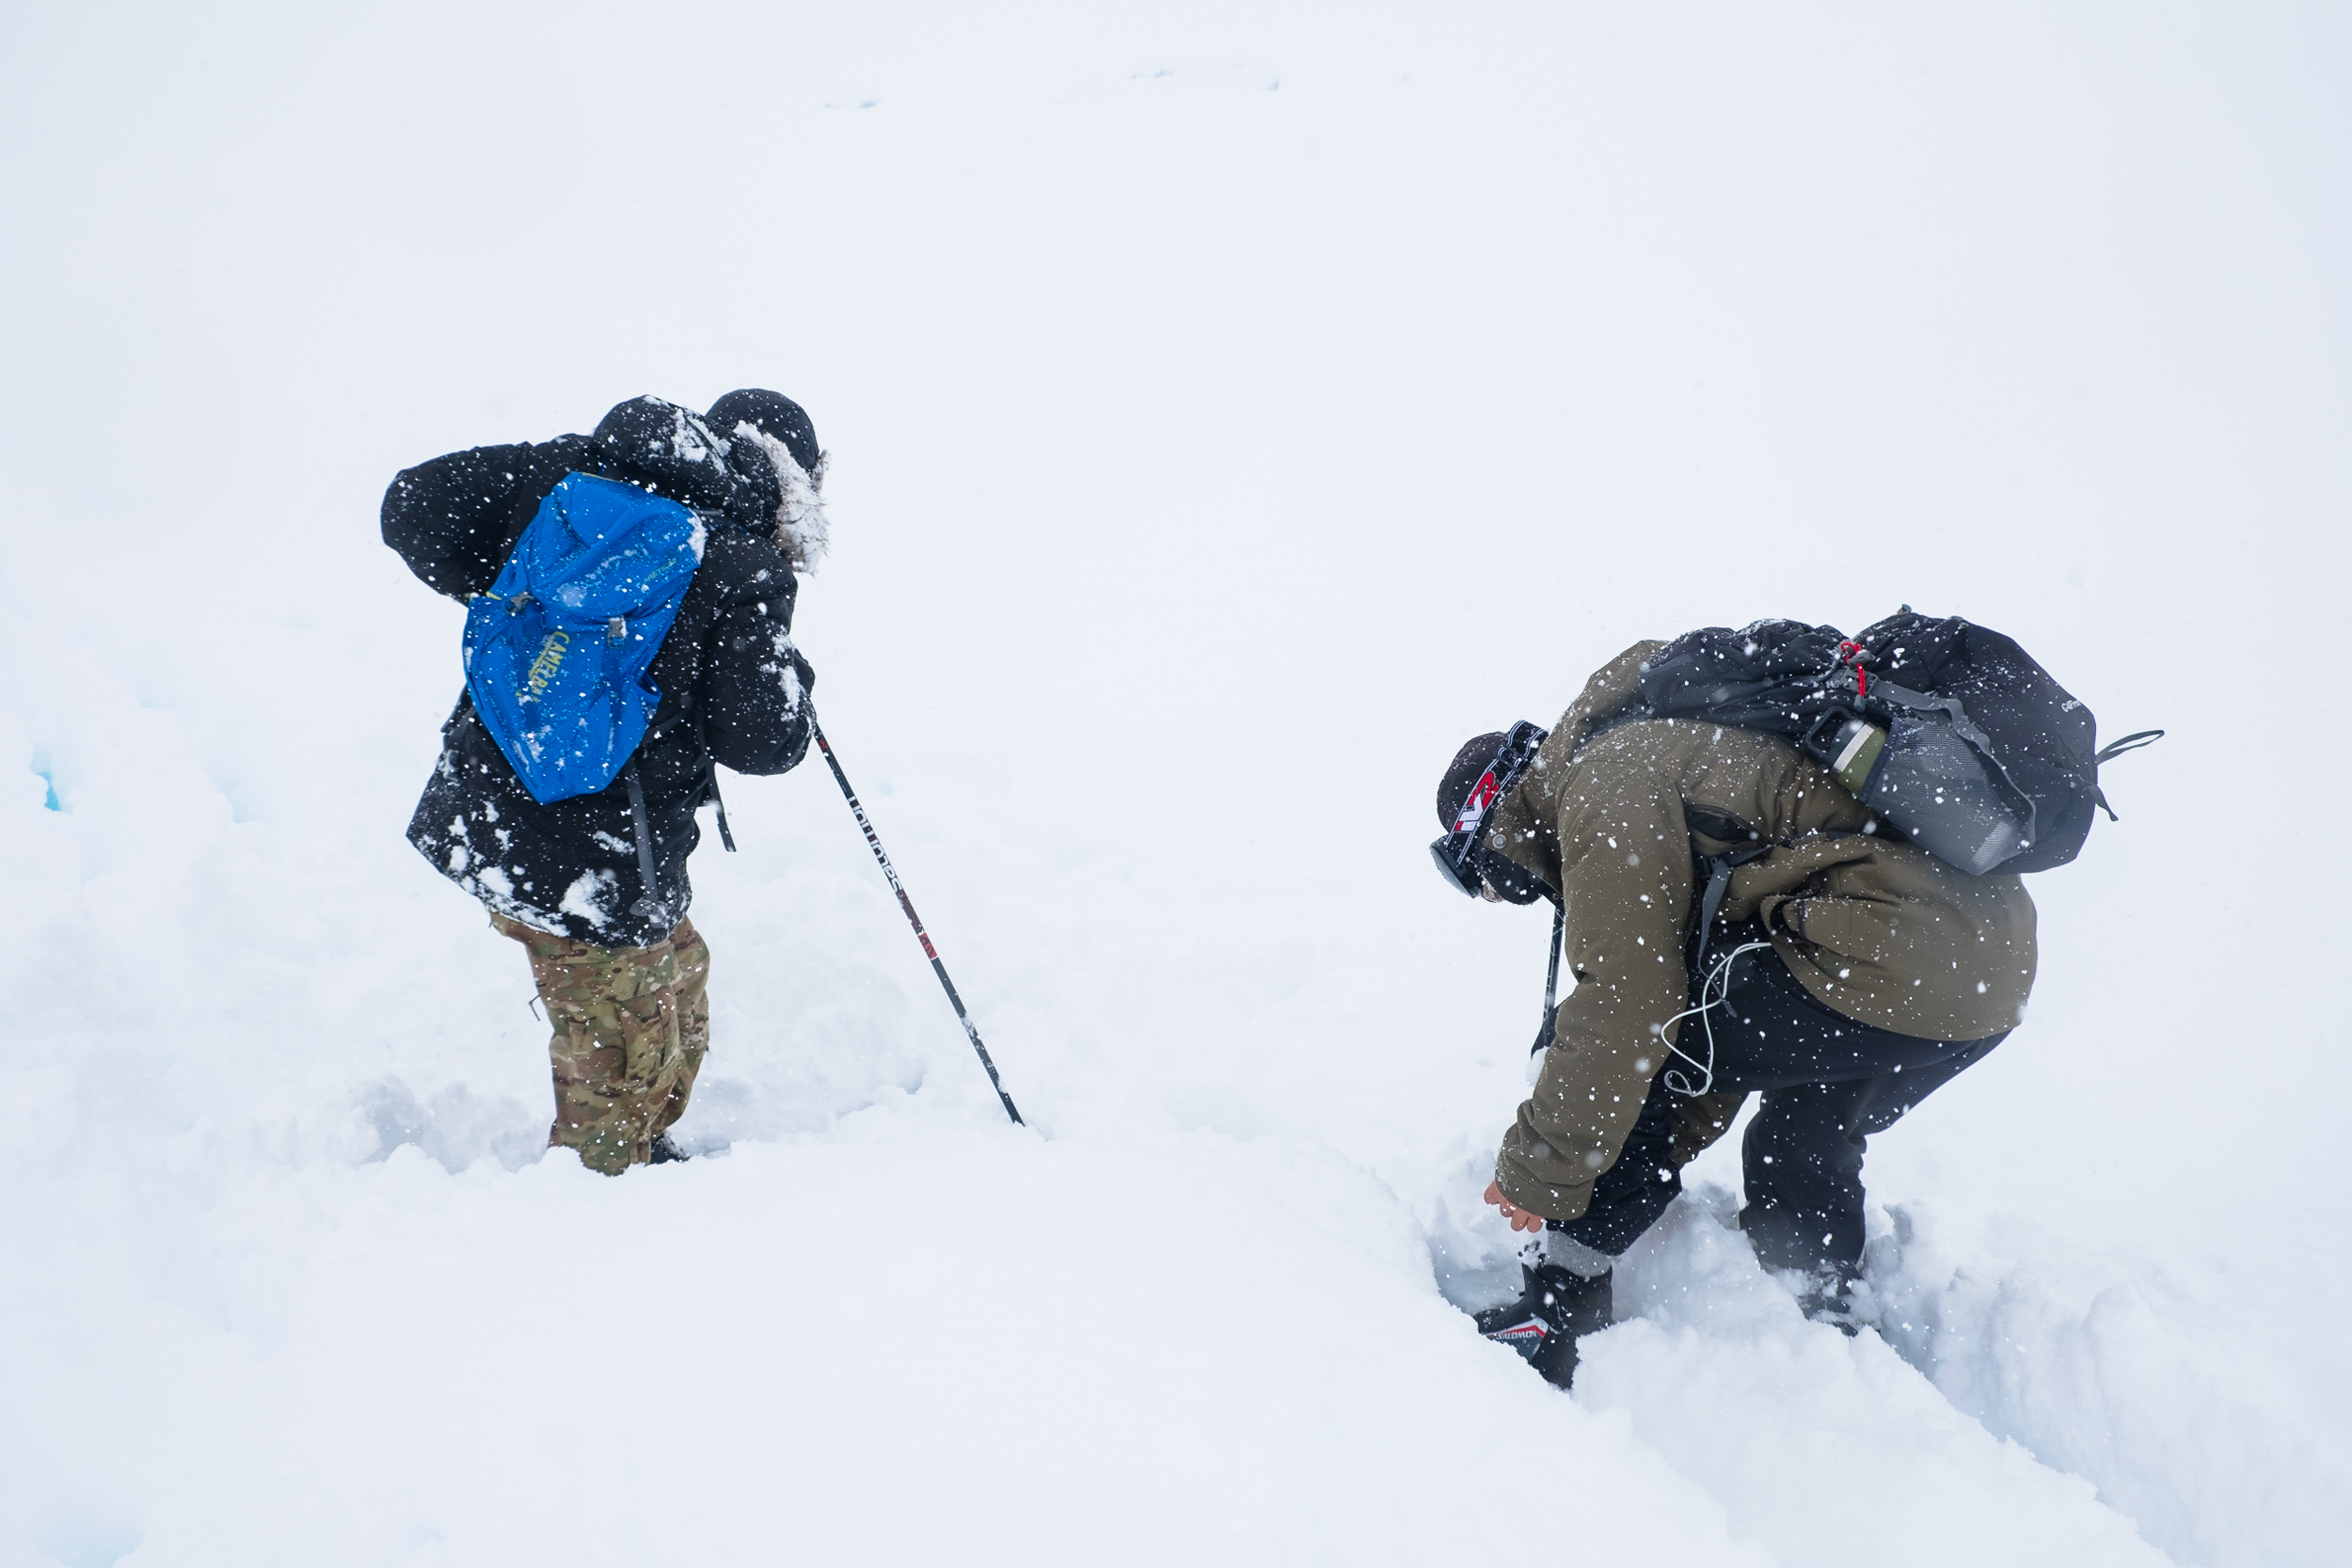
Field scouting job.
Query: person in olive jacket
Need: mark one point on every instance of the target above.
(1852, 974)
(619, 966)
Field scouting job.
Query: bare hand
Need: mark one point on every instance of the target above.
(1521, 1219)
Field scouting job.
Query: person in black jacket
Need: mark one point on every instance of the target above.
(618, 965)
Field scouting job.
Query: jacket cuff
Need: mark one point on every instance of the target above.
(1529, 1185)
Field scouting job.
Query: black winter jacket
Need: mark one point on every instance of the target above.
(734, 689)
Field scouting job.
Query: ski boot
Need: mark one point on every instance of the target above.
(1826, 1296)
(665, 1150)
(1553, 1311)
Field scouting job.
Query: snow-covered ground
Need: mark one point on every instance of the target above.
(1232, 406)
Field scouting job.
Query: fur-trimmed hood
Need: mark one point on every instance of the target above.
(802, 530)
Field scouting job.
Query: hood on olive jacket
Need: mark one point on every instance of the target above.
(1610, 815)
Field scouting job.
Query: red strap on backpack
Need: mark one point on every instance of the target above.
(1851, 654)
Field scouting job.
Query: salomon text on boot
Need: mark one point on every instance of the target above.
(1553, 1311)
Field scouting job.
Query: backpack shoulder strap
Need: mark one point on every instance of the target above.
(649, 898)
(1719, 870)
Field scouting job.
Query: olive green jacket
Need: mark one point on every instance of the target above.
(1876, 928)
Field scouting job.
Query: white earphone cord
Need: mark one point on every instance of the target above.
(1718, 982)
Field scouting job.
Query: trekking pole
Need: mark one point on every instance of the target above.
(915, 920)
(1551, 976)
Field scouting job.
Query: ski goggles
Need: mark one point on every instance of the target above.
(1461, 860)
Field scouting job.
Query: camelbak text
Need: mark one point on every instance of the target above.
(550, 660)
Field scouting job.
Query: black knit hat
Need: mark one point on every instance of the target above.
(775, 414)
(1468, 764)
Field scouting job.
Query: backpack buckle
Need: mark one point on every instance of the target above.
(616, 630)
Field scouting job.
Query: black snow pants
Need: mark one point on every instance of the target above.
(1828, 1084)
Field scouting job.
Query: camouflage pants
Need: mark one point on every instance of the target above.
(633, 1026)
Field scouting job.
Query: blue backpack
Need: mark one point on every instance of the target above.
(557, 651)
